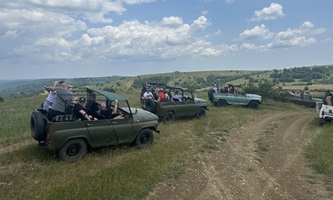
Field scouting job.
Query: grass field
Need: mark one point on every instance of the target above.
(120, 172)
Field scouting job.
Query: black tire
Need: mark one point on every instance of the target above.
(322, 122)
(254, 105)
(37, 124)
(144, 138)
(221, 103)
(168, 117)
(73, 150)
(149, 105)
(201, 112)
(210, 95)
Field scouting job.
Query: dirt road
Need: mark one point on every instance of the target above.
(262, 159)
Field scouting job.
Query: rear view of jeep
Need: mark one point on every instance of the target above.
(70, 137)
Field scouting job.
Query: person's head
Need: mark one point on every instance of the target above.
(82, 100)
(160, 91)
(63, 84)
(103, 105)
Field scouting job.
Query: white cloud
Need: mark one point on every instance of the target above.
(200, 23)
(258, 32)
(272, 12)
(90, 10)
(296, 37)
(284, 39)
(49, 37)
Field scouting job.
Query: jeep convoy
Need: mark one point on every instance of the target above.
(70, 137)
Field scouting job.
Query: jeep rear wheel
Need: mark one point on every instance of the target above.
(145, 138)
(73, 150)
(201, 112)
(37, 126)
(168, 117)
(254, 105)
(221, 103)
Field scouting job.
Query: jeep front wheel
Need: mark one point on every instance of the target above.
(168, 117)
(254, 105)
(145, 138)
(221, 103)
(200, 113)
(73, 150)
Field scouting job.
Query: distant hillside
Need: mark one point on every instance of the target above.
(297, 76)
(27, 88)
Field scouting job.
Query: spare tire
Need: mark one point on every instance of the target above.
(149, 105)
(37, 126)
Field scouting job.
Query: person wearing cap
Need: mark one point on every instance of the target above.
(80, 112)
(62, 100)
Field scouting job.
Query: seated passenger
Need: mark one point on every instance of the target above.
(114, 111)
(92, 106)
(161, 96)
(177, 96)
(167, 94)
(104, 111)
(329, 99)
(148, 94)
(80, 112)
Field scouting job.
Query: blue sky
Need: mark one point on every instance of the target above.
(75, 38)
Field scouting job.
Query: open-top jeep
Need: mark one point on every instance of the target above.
(234, 95)
(70, 137)
(182, 103)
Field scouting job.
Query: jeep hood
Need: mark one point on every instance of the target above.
(253, 96)
(143, 115)
(199, 100)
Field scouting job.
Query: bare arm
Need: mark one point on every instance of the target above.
(115, 109)
(84, 114)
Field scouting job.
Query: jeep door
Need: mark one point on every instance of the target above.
(191, 107)
(101, 133)
(123, 129)
(179, 107)
(242, 99)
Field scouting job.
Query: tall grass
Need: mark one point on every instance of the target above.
(320, 154)
(15, 116)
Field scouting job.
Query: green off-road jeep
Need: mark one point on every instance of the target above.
(234, 95)
(70, 137)
(182, 103)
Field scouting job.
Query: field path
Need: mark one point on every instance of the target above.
(261, 160)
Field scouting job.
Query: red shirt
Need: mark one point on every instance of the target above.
(162, 96)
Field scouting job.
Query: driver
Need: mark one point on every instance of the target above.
(114, 111)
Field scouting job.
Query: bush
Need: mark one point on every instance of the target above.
(265, 88)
